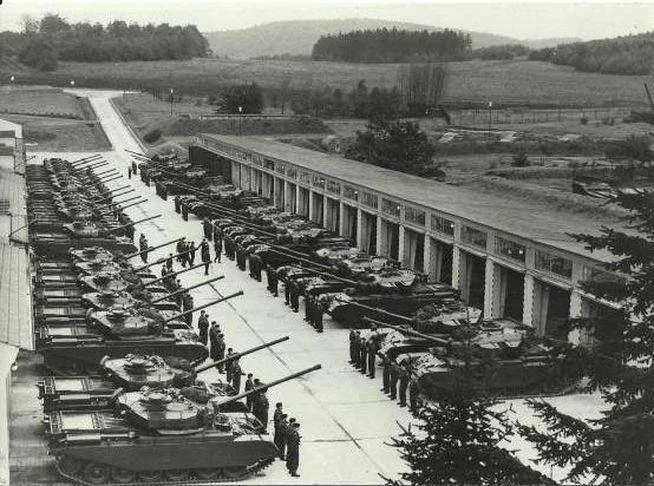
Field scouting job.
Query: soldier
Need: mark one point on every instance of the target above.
(260, 409)
(413, 396)
(169, 262)
(134, 167)
(240, 256)
(363, 355)
(229, 364)
(293, 453)
(280, 437)
(207, 227)
(184, 211)
(237, 372)
(129, 172)
(217, 243)
(295, 296)
(386, 375)
(178, 203)
(191, 254)
(372, 353)
(277, 418)
(394, 376)
(164, 270)
(146, 178)
(249, 384)
(180, 247)
(206, 256)
(143, 245)
(404, 385)
(217, 346)
(187, 304)
(271, 276)
(318, 314)
(354, 347)
(203, 327)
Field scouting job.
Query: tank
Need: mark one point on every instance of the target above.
(156, 436)
(133, 372)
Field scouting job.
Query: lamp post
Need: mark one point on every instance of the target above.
(172, 91)
(11, 80)
(240, 119)
(490, 117)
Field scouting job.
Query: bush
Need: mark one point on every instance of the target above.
(584, 120)
(520, 159)
(152, 136)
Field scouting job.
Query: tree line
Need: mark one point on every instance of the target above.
(632, 54)
(44, 42)
(392, 45)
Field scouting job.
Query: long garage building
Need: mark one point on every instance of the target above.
(511, 257)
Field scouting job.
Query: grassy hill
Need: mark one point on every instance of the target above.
(516, 83)
(297, 37)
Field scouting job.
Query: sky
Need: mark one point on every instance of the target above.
(528, 19)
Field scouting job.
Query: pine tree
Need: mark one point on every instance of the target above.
(617, 448)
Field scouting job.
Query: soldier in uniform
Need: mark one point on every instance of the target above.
(249, 385)
(169, 262)
(293, 452)
(386, 375)
(217, 242)
(191, 254)
(180, 247)
(354, 347)
(129, 172)
(184, 211)
(207, 227)
(187, 304)
(217, 345)
(372, 353)
(143, 245)
(206, 256)
(394, 376)
(134, 167)
(295, 296)
(229, 365)
(237, 372)
(260, 409)
(203, 327)
(277, 419)
(413, 396)
(164, 270)
(404, 384)
(178, 203)
(363, 355)
(271, 276)
(280, 436)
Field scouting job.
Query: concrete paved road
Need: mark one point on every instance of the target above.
(345, 418)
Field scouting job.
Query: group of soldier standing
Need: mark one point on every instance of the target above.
(287, 439)
(363, 354)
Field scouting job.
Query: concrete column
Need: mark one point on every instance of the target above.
(575, 304)
(378, 239)
(311, 216)
(341, 218)
(489, 287)
(324, 211)
(578, 336)
(528, 301)
(287, 196)
(359, 229)
(456, 267)
(426, 257)
(400, 244)
(297, 199)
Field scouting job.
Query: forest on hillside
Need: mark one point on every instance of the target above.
(633, 54)
(392, 45)
(44, 42)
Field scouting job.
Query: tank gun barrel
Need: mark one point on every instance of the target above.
(132, 255)
(93, 166)
(173, 274)
(108, 197)
(114, 178)
(112, 171)
(117, 203)
(136, 203)
(112, 191)
(162, 260)
(377, 310)
(410, 332)
(205, 367)
(85, 159)
(220, 401)
(136, 153)
(186, 289)
(133, 223)
(217, 301)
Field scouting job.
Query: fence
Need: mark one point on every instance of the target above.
(481, 116)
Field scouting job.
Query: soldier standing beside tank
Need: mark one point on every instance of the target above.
(217, 346)
(354, 347)
(191, 253)
(229, 365)
(129, 173)
(404, 383)
(249, 384)
(164, 271)
(169, 262)
(187, 305)
(293, 452)
(134, 167)
(394, 376)
(282, 431)
(178, 203)
(206, 228)
(217, 243)
(203, 327)
(237, 372)
(363, 355)
(184, 211)
(413, 396)
(386, 374)
(260, 409)
(277, 418)
(181, 246)
(271, 276)
(206, 255)
(372, 353)
(143, 246)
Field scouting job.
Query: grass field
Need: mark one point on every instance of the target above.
(516, 83)
(41, 102)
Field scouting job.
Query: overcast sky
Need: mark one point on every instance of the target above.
(526, 20)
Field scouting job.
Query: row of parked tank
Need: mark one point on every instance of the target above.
(123, 397)
(413, 325)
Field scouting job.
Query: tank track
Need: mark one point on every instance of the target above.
(249, 471)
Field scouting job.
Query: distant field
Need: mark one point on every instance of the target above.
(41, 102)
(517, 83)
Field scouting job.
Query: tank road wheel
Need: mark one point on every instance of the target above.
(122, 476)
(207, 474)
(176, 474)
(70, 466)
(96, 473)
(234, 472)
(150, 476)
